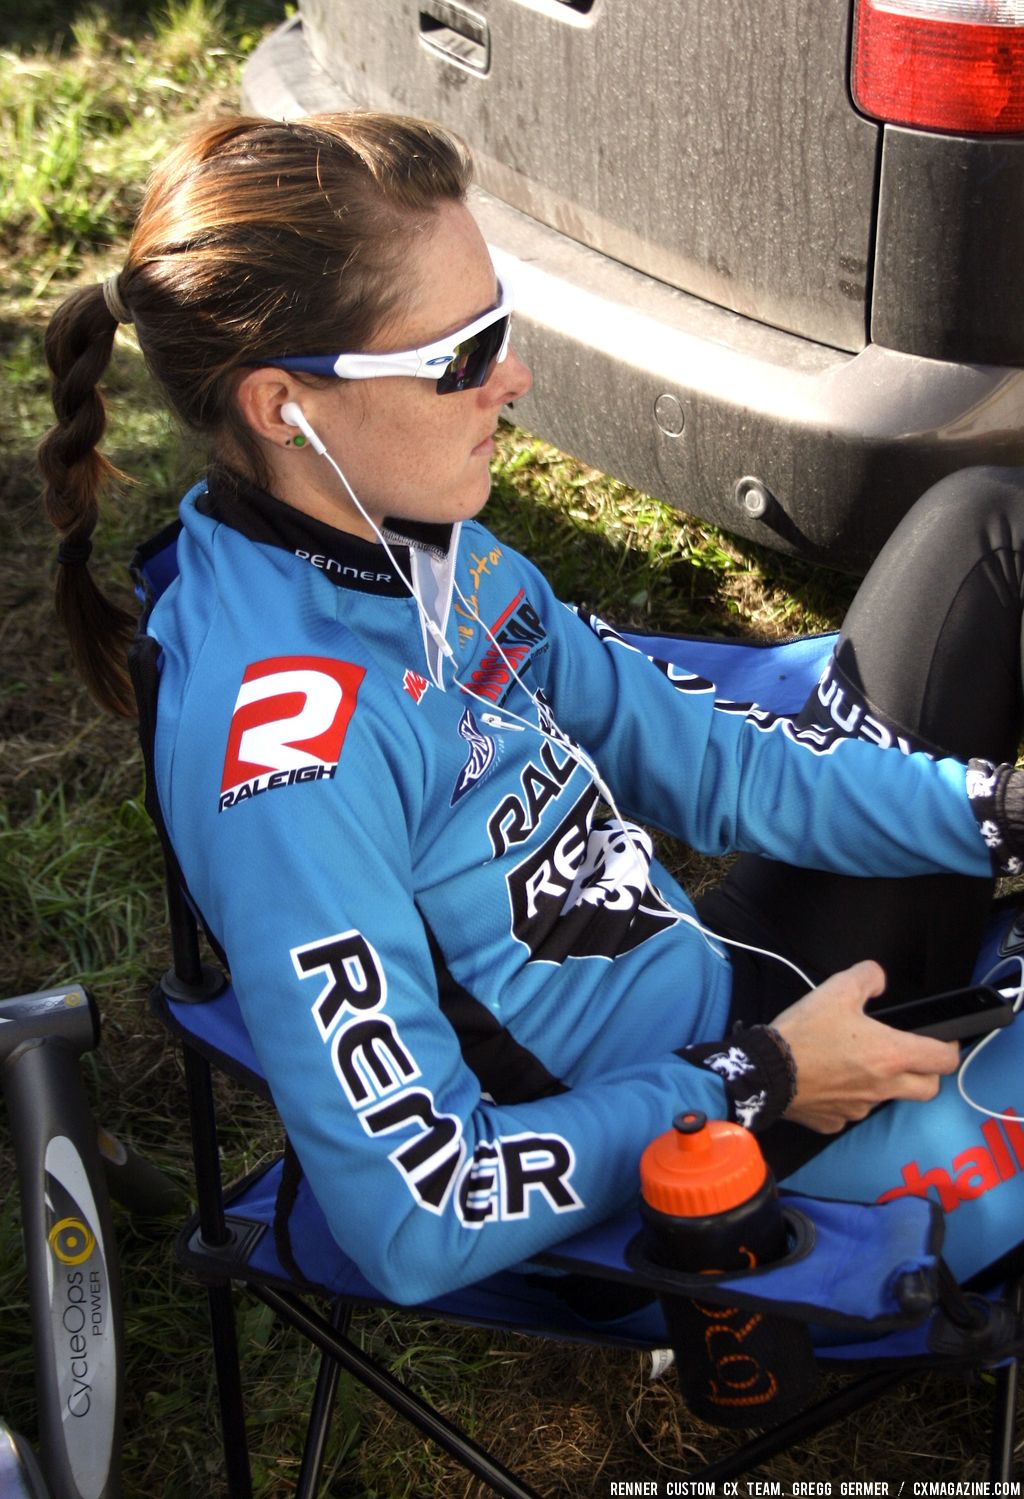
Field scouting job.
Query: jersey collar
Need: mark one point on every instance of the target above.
(347, 561)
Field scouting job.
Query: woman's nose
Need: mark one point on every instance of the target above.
(509, 381)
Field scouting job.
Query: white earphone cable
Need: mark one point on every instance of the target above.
(584, 760)
(293, 414)
(1018, 999)
(586, 763)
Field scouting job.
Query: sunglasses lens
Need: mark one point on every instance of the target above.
(475, 357)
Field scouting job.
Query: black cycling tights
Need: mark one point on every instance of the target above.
(931, 652)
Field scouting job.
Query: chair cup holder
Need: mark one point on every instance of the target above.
(740, 1362)
(729, 1287)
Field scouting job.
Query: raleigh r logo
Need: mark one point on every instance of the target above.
(289, 724)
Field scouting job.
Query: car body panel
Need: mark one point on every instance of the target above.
(950, 253)
(732, 143)
(802, 443)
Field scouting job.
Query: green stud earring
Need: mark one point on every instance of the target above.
(297, 441)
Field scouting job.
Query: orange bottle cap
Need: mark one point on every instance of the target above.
(701, 1166)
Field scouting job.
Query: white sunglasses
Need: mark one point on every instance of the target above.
(460, 361)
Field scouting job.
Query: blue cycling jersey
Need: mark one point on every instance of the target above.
(465, 975)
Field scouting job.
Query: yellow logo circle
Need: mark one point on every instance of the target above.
(71, 1241)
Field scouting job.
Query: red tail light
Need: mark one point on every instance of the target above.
(953, 65)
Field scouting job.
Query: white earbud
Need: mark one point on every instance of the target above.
(291, 412)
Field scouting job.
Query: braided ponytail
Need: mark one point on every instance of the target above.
(75, 474)
(256, 238)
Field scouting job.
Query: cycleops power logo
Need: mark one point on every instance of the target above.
(82, 1329)
(288, 725)
(71, 1241)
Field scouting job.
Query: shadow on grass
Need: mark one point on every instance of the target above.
(641, 565)
(48, 24)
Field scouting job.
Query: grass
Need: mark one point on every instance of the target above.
(83, 120)
(89, 99)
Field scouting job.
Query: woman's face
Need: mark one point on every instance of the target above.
(406, 451)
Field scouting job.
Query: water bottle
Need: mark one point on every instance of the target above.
(710, 1205)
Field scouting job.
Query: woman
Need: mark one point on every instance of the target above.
(382, 744)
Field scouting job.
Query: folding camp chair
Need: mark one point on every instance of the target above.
(868, 1279)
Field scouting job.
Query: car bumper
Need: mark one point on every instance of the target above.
(809, 449)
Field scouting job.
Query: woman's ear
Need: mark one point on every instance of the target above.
(260, 394)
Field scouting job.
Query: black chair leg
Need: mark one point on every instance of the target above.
(846, 1401)
(1004, 1424)
(321, 1410)
(398, 1396)
(1004, 1420)
(229, 1391)
(215, 1233)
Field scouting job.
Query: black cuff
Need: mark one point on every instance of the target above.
(758, 1071)
(996, 794)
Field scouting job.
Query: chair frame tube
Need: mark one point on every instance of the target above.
(215, 1233)
(401, 1399)
(322, 1409)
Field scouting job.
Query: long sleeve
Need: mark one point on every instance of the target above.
(725, 776)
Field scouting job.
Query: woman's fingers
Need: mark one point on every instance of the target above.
(847, 1062)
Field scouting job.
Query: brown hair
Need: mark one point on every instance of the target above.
(256, 238)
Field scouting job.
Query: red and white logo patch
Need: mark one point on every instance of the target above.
(289, 724)
(415, 685)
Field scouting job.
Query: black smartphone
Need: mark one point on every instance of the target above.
(959, 1015)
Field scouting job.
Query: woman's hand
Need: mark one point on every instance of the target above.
(846, 1063)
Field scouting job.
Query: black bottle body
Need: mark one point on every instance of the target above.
(737, 1367)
